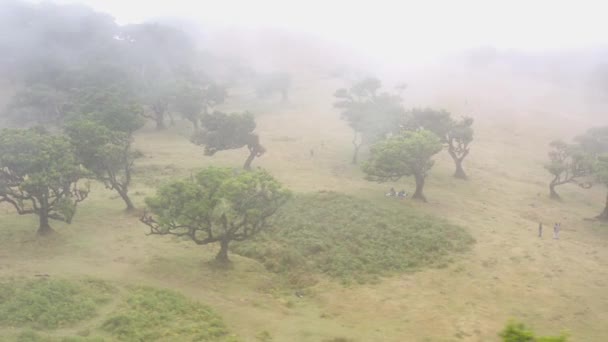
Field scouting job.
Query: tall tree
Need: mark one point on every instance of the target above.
(223, 131)
(38, 175)
(567, 163)
(406, 154)
(370, 114)
(107, 153)
(456, 135)
(217, 205)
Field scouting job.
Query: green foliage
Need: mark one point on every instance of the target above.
(221, 131)
(51, 304)
(518, 332)
(403, 155)
(162, 315)
(567, 163)
(370, 114)
(38, 174)
(106, 153)
(217, 205)
(38, 105)
(352, 239)
(456, 134)
(32, 336)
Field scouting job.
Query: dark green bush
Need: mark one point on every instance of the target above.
(352, 239)
(50, 304)
(151, 314)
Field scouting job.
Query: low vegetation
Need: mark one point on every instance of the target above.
(51, 304)
(352, 239)
(151, 314)
(145, 314)
(518, 332)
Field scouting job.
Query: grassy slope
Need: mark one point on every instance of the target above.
(509, 273)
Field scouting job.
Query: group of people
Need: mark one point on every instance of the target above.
(392, 193)
(556, 228)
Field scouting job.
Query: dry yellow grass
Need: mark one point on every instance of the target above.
(510, 273)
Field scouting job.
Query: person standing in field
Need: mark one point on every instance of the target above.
(540, 229)
(556, 229)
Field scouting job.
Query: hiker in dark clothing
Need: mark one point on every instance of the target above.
(402, 194)
(556, 229)
(540, 229)
(391, 193)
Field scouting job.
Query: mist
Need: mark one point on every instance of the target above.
(330, 171)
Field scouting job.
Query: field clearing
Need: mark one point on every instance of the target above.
(509, 273)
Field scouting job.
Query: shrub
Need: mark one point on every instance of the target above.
(161, 315)
(50, 304)
(518, 332)
(352, 239)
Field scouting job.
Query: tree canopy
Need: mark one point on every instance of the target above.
(406, 154)
(39, 174)
(567, 163)
(370, 114)
(216, 205)
(455, 134)
(221, 131)
(107, 153)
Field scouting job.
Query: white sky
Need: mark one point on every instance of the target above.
(432, 26)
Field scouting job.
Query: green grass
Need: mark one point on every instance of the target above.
(352, 239)
(50, 304)
(32, 336)
(151, 314)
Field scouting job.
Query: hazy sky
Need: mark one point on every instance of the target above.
(431, 26)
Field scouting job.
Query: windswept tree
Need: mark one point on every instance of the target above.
(39, 175)
(567, 163)
(456, 135)
(107, 153)
(217, 205)
(370, 114)
(196, 99)
(406, 154)
(223, 131)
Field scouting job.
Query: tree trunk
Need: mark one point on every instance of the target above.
(356, 153)
(604, 215)
(419, 187)
(222, 255)
(45, 227)
(459, 170)
(552, 193)
(160, 121)
(250, 159)
(125, 197)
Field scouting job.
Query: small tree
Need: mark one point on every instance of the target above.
(407, 154)
(223, 131)
(217, 205)
(370, 114)
(456, 135)
(567, 163)
(39, 175)
(108, 154)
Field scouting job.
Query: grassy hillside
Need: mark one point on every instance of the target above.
(551, 285)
